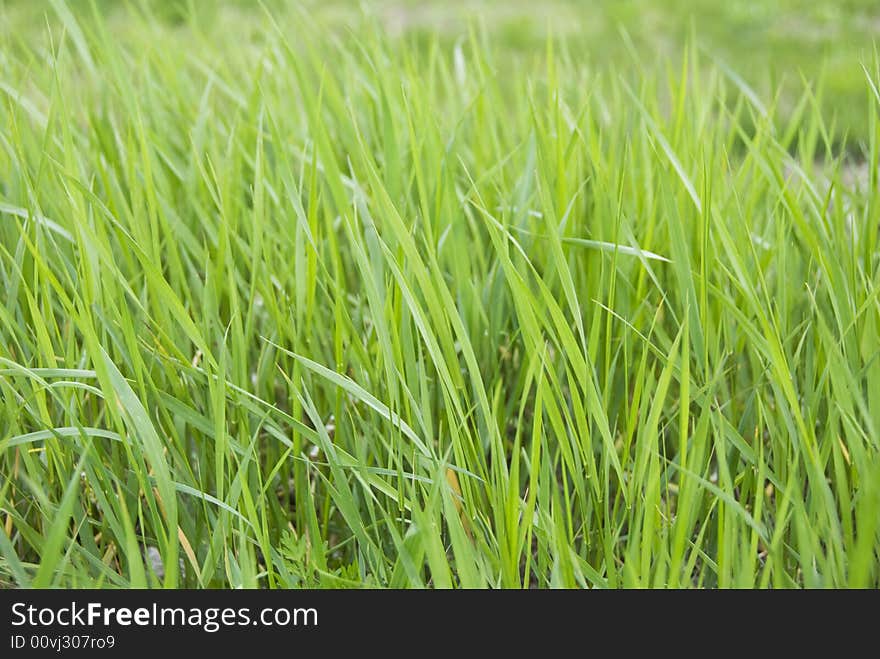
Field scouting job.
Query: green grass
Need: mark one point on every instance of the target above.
(286, 306)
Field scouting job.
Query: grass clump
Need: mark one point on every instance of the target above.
(290, 307)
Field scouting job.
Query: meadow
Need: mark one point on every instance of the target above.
(312, 295)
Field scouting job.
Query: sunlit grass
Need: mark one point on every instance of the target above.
(289, 307)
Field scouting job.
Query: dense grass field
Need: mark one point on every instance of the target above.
(290, 304)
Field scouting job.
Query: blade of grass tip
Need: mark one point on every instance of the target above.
(616, 248)
(741, 84)
(602, 245)
(871, 84)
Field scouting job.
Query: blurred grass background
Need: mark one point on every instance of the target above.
(775, 45)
